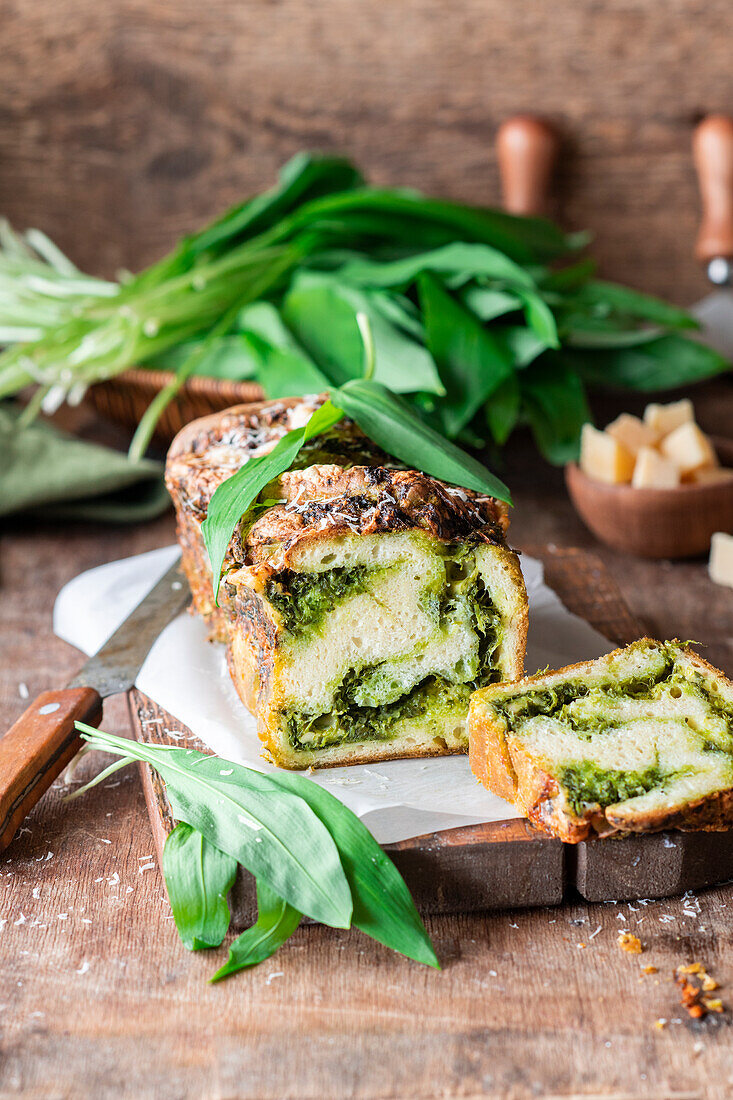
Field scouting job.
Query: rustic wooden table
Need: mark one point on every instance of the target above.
(98, 999)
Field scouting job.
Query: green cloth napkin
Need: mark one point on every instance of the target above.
(48, 473)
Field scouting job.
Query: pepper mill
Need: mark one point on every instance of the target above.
(712, 148)
(527, 149)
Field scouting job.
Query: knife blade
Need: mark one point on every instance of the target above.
(44, 739)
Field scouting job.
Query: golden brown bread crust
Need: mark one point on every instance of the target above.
(321, 501)
(504, 768)
(348, 487)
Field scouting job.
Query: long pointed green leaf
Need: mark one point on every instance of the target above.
(394, 426)
(663, 363)
(233, 497)
(467, 260)
(276, 922)
(198, 878)
(503, 408)
(623, 299)
(553, 397)
(487, 303)
(472, 362)
(322, 313)
(422, 223)
(383, 907)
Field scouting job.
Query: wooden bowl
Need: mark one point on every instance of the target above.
(125, 398)
(655, 523)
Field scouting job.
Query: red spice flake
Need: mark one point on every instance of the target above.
(693, 981)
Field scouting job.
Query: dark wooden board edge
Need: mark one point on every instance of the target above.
(506, 864)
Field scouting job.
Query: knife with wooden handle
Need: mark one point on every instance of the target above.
(712, 149)
(44, 739)
(527, 148)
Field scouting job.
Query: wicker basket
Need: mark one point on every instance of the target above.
(125, 398)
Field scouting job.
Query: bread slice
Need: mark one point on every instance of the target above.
(361, 603)
(636, 741)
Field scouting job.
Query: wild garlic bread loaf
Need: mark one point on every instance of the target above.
(361, 603)
(636, 741)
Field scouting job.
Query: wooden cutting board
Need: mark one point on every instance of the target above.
(504, 864)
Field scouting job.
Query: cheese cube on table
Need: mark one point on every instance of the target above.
(602, 457)
(721, 558)
(689, 449)
(654, 471)
(663, 419)
(632, 433)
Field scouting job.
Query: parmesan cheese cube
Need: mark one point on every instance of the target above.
(721, 558)
(653, 471)
(689, 448)
(711, 475)
(663, 419)
(632, 433)
(603, 458)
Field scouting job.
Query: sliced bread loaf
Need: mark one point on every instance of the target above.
(636, 741)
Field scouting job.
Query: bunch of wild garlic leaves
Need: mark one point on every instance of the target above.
(310, 855)
(482, 319)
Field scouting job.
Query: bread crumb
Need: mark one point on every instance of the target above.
(660, 1024)
(630, 943)
(649, 970)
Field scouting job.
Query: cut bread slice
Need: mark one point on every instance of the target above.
(636, 741)
(361, 603)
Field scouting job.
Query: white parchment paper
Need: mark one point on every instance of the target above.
(188, 676)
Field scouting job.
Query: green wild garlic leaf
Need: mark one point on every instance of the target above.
(665, 362)
(383, 906)
(226, 801)
(276, 922)
(198, 878)
(487, 303)
(553, 398)
(233, 497)
(503, 409)
(472, 362)
(613, 298)
(393, 425)
(321, 311)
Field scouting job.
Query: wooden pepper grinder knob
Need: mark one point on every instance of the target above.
(527, 149)
(712, 148)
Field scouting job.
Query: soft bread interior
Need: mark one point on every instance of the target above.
(407, 635)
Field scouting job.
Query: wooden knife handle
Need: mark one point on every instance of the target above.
(712, 149)
(37, 749)
(527, 149)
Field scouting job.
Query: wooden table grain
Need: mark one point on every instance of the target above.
(127, 123)
(98, 999)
